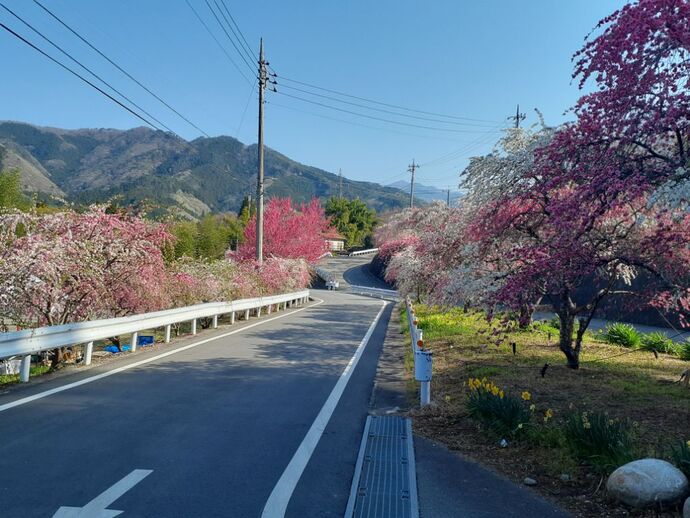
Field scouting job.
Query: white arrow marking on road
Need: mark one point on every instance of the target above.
(96, 508)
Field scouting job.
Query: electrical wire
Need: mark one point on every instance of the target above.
(73, 31)
(385, 104)
(62, 65)
(387, 130)
(227, 55)
(232, 41)
(382, 110)
(84, 67)
(250, 52)
(449, 130)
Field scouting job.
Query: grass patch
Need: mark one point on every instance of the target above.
(632, 387)
(36, 370)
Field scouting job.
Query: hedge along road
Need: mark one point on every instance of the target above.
(212, 430)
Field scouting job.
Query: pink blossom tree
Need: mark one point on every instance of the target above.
(69, 266)
(289, 232)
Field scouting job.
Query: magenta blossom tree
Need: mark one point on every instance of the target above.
(289, 232)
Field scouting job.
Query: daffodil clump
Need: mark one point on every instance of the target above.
(603, 442)
(503, 413)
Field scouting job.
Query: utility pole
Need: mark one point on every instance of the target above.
(448, 196)
(411, 169)
(260, 179)
(340, 189)
(517, 117)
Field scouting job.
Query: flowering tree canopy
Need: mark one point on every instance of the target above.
(71, 266)
(289, 232)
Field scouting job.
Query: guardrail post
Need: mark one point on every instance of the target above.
(232, 317)
(268, 309)
(167, 333)
(246, 314)
(258, 311)
(194, 326)
(88, 352)
(215, 321)
(135, 339)
(25, 369)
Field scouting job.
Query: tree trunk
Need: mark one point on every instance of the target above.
(566, 339)
(525, 316)
(58, 357)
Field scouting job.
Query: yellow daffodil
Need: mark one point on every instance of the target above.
(526, 396)
(532, 407)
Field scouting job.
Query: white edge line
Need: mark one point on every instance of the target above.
(277, 502)
(97, 377)
(414, 497)
(350, 510)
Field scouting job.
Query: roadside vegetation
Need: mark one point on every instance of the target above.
(528, 415)
(60, 264)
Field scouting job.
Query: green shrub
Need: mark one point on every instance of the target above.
(659, 342)
(624, 335)
(555, 322)
(681, 457)
(504, 414)
(684, 351)
(602, 442)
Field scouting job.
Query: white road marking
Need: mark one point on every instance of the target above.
(277, 502)
(97, 508)
(97, 377)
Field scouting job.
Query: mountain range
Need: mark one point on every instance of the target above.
(427, 192)
(190, 177)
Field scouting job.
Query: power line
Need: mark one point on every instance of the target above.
(84, 67)
(62, 65)
(73, 31)
(246, 45)
(244, 112)
(377, 118)
(382, 110)
(385, 104)
(387, 130)
(227, 34)
(208, 29)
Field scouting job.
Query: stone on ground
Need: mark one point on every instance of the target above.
(646, 483)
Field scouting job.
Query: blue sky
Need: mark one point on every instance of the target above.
(461, 58)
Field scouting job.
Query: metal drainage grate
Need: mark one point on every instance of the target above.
(385, 484)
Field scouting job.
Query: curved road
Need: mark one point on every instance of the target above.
(218, 423)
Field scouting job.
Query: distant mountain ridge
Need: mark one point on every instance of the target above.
(427, 192)
(206, 174)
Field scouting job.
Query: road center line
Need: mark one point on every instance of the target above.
(277, 502)
(97, 377)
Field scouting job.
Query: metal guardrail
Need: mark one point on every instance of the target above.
(328, 278)
(364, 252)
(423, 359)
(374, 292)
(32, 341)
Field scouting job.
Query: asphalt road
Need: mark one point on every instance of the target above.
(353, 270)
(217, 423)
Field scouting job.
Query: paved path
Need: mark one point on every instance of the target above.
(218, 424)
(598, 324)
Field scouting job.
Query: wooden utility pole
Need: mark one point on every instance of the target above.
(340, 188)
(448, 196)
(411, 169)
(260, 178)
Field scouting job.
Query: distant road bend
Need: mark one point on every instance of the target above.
(260, 417)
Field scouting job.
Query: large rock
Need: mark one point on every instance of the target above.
(686, 509)
(647, 482)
